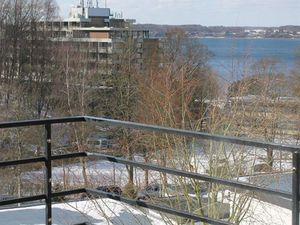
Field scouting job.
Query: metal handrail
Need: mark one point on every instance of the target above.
(140, 126)
(295, 150)
(196, 176)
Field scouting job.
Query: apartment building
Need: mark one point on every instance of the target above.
(95, 30)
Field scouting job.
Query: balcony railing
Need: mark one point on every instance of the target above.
(48, 158)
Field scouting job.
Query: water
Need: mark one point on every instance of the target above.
(233, 58)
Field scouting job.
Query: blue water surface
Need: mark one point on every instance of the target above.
(233, 57)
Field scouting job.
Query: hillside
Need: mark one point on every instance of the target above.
(196, 31)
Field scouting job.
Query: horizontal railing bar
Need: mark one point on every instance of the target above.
(214, 137)
(228, 139)
(22, 200)
(231, 183)
(41, 122)
(22, 161)
(66, 193)
(69, 155)
(156, 207)
(41, 159)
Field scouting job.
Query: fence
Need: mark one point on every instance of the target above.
(48, 158)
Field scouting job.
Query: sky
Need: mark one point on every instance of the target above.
(203, 12)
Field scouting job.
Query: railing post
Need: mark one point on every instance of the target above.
(296, 195)
(48, 180)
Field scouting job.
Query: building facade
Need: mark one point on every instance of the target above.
(96, 31)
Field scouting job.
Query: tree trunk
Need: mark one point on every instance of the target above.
(130, 168)
(84, 171)
(164, 164)
(270, 159)
(146, 171)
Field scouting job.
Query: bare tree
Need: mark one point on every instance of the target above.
(258, 100)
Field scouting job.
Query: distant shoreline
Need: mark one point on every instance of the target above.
(198, 31)
(249, 38)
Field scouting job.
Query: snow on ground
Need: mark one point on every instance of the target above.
(262, 213)
(107, 211)
(96, 212)
(99, 173)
